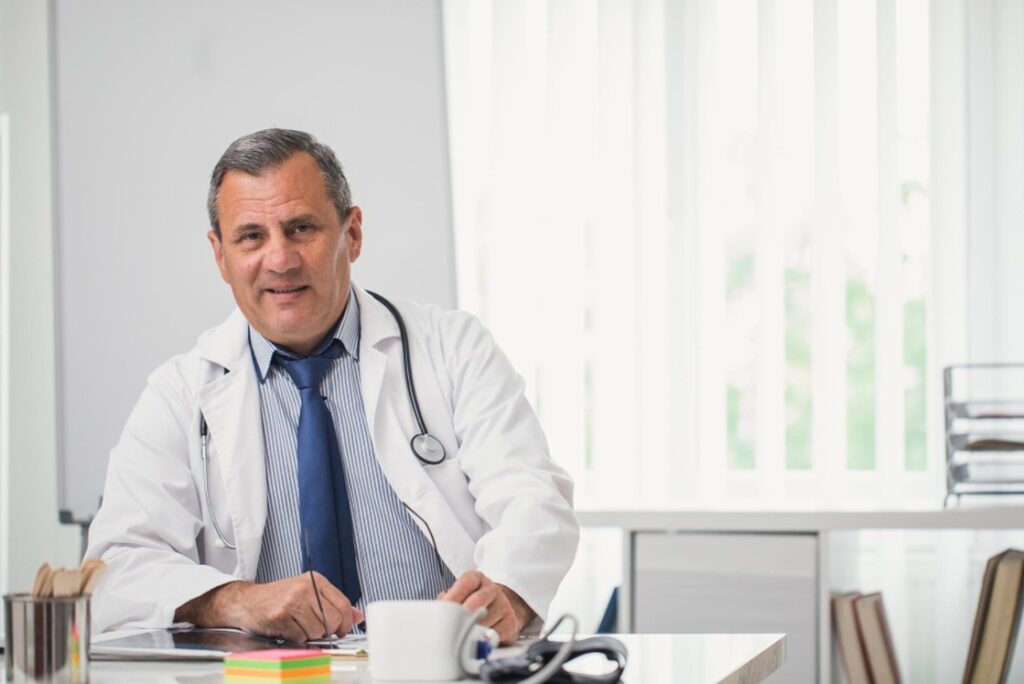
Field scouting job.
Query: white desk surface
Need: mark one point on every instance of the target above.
(684, 658)
(710, 520)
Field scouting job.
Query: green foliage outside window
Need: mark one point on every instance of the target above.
(739, 415)
(860, 376)
(798, 369)
(916, 440)
(860, 368)
(741, 448)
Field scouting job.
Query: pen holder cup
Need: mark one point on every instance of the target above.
(47, 639)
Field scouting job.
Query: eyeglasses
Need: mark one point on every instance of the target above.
(330, 638)
(433, 542)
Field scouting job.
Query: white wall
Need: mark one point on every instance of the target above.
(24, 95)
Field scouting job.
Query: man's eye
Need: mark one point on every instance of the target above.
(250, 236)
(303, 228)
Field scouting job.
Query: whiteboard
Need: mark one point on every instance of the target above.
(146, 98)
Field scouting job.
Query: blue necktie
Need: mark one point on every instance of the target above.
(323, 500)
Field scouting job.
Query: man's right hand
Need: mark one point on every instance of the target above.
(286, 609)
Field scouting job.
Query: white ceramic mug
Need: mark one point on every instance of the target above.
(427, 641)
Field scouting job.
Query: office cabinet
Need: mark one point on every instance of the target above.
(689, 570)
(731, 583)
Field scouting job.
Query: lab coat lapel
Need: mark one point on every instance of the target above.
(231, 406)
(375, 325)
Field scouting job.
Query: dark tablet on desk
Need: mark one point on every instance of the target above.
(183, 644)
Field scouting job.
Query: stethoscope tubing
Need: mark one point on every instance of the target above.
(423, 437)
(406, 362)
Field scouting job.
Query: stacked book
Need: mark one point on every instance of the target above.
(862, 633)
(861, 630)
(997, 620)
(984, 429)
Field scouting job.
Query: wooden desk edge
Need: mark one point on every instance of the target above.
(762, 665)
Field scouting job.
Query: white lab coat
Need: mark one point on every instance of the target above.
(498, 504)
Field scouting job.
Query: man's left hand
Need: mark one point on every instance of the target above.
(507, 614)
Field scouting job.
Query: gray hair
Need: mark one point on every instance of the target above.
(262, 150)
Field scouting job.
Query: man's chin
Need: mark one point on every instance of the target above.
(285, 330)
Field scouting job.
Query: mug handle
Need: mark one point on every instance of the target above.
(465, 651)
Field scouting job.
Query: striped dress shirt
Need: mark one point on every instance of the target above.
(394, 558)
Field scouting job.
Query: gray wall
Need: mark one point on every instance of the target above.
(147, 97)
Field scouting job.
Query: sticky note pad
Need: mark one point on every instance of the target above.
(273, 678)
(293, 666)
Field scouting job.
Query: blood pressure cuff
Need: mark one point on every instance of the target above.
(541, 652)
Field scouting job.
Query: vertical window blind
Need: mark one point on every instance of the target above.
(702, 231)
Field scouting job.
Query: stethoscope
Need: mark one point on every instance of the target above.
(425, 447)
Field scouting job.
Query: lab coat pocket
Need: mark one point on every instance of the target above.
(218, 533)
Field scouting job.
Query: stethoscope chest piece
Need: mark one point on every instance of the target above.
(427, 448)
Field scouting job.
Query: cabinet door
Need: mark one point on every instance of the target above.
(731, 583)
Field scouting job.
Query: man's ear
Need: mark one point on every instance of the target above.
(354, 233)
(218, 254)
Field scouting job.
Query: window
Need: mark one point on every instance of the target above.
(701, 230)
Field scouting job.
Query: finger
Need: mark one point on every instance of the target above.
(333, 618)
(308, 617)
(325, 605)
(464, 586)
(349, 620)
(327, 622)
(507, 629)
(330, 594)
(345, 615)
(494, 615)
(482, 598)
(294, 631)
(497, 611)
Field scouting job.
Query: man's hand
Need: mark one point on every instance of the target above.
(286, 609)
(507, 614)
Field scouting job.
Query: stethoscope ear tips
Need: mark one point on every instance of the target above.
(427, 448)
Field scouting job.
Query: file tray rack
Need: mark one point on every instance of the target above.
(984, 409)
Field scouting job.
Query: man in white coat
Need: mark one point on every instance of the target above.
(236, 474)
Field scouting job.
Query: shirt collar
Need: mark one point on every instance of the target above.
(347, 330)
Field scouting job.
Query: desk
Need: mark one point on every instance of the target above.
(755, 571)
(683, 658)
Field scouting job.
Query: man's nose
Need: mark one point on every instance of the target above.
(282, 255)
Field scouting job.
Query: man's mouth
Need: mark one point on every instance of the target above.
(286, 290)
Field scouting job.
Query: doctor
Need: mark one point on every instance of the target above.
(281, 442)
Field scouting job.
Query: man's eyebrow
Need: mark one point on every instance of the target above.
(304, 218)
(247, 227)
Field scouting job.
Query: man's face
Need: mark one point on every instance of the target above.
(284, 251)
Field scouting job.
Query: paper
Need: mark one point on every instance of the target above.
(349, 646)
